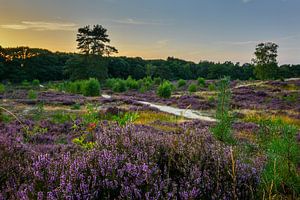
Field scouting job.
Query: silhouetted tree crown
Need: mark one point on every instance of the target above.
(266, 65)
(94, 41)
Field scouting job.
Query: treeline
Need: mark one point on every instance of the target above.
(23, 63)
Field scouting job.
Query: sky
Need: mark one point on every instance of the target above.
(214, 30)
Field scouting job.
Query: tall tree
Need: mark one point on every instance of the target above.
(94, 41)
(266, 65)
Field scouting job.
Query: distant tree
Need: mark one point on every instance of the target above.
(266, 66)
(94, 41)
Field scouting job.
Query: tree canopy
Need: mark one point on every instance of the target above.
(266, 65)
(94, 41)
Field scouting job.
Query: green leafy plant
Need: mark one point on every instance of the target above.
(192, 88)
(2, 88)
(76, 106)
(119, 86)
(61, 117)
(132, 83)
(91, 116)
(124, 119)
(181, 83)
(82, 141)
(25, 83)
(201, 82)
(211, 87)
(32, 94)
(91, 87)
(36, 83)
(280, 174)
(165, 90)
(157, 80)
(222, 129)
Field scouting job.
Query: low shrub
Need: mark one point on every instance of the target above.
(91, 87)
(165, 90)
(192, 88)
(36, 83)
(157, 80)
(181, 83)
(201, 82)
(119, 86)
(2, 88)
(32, 94)
(211, 87)
(132, 83)
(25, 83)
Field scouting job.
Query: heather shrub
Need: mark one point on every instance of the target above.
(127, 162)
(91, 87)
(36, 83)
(201, 82)
(181, 83)
(2, 88)
(165, 89)
(192, 88)
(32, 94)
(222, 129)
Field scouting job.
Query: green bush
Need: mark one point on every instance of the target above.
(32, 94)
(132, 83)
(2, 88)
(91, 88)
(192, 88)
(157, 80)
(201, 82)
(25, 83)
(165, 90)
(36, 83)
(119, 86)
(280, 173)
(181, 83)
(211, 87)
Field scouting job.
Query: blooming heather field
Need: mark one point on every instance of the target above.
(55, 144)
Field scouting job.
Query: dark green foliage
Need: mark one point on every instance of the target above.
(201, 82)
(265, 59)
(91, 88)
(132, 83)
(36, 83)
(181, 83)
(94, 41)
(119, 86)
(84, 67)
(25, 83)
(47, 66)
(32, 94)
(211, 87)
(222, 129)
(165, 90)
(61, 117)
(192, 88)
(2, 88)
(280, 175)
(157, 80)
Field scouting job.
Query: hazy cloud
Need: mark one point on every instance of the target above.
(41, 26)
(136, 22)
